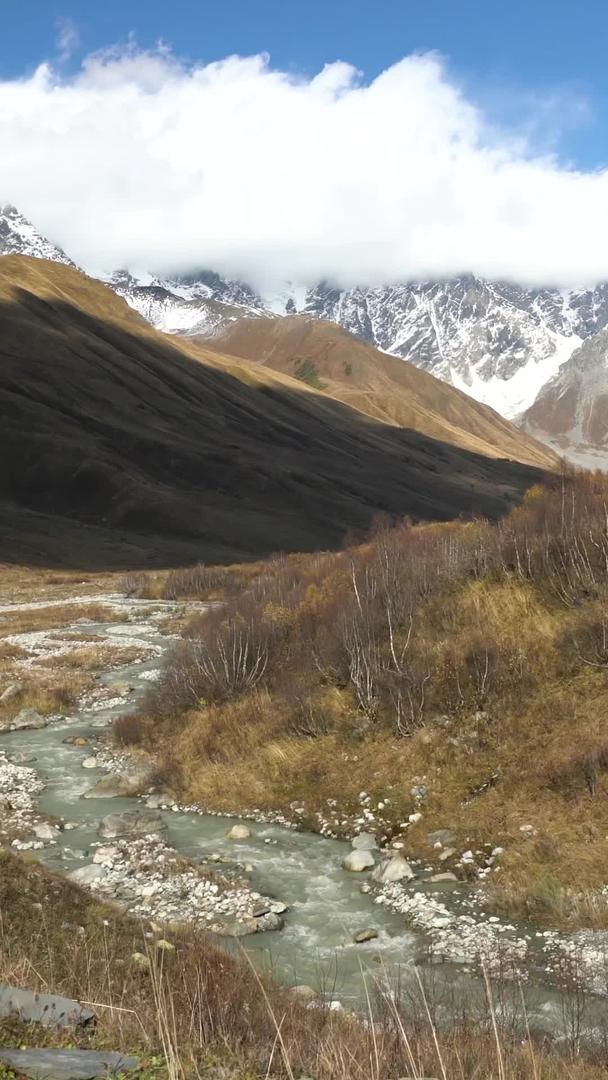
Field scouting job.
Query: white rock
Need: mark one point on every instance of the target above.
(238, 832)
(89, 763)
(87, 875)
(356, 861)
(397, 868)
(105, 854)
(45, 831)
(365, 841)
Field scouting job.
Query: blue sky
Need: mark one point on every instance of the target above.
(506, 54)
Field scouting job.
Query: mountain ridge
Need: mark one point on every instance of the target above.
(130, 447)
(500, 343)
(330, 358)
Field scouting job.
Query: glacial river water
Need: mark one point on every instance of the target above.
(325, 904)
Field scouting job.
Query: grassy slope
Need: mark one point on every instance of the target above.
(385, 387)
(494, 695)
(121, 446)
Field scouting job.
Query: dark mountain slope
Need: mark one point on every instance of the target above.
(129, 448)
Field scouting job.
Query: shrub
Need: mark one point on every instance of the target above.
(129, 729)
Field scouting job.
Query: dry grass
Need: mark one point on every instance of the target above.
(10, 653)
(23, 583)
(492, 692)
(48, 693)
(53, 684)
(94, 658)
(48, 618)
(198, 1008)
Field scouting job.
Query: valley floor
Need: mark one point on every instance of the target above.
(441, 687)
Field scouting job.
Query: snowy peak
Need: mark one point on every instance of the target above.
(194, 305)
(493, 340)
(19, 237)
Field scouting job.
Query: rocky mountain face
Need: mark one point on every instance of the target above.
(19, 237)
(499, 342)
(196, 304)
(571, 411)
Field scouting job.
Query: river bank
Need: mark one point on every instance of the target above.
(267, 877)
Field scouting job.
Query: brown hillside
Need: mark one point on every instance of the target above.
(122, 446)
(390, 389)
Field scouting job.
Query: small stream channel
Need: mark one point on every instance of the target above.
(326, 906)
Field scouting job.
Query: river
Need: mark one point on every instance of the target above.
(325, 904)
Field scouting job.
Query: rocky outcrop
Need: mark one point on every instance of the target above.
(132, 823)
(395, 868)
(27, 719)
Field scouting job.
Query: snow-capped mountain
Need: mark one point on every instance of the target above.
(499, 342)
(19, 237)
(197, 304)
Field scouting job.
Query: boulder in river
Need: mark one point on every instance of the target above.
(356, 861)
(365, 841)
(239, 928)
(26, 720)
(50, 1010)
(118, 785)
(51, 1064)
(396, 868)
(158, 799)
(76, 740)
(132, 823)
(238, 832)
(269, 907)
(269, 921)
(447, 876)
(369, 934)
(45, 831)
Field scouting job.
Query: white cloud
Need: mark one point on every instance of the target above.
(68, 39)
(140, 161)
